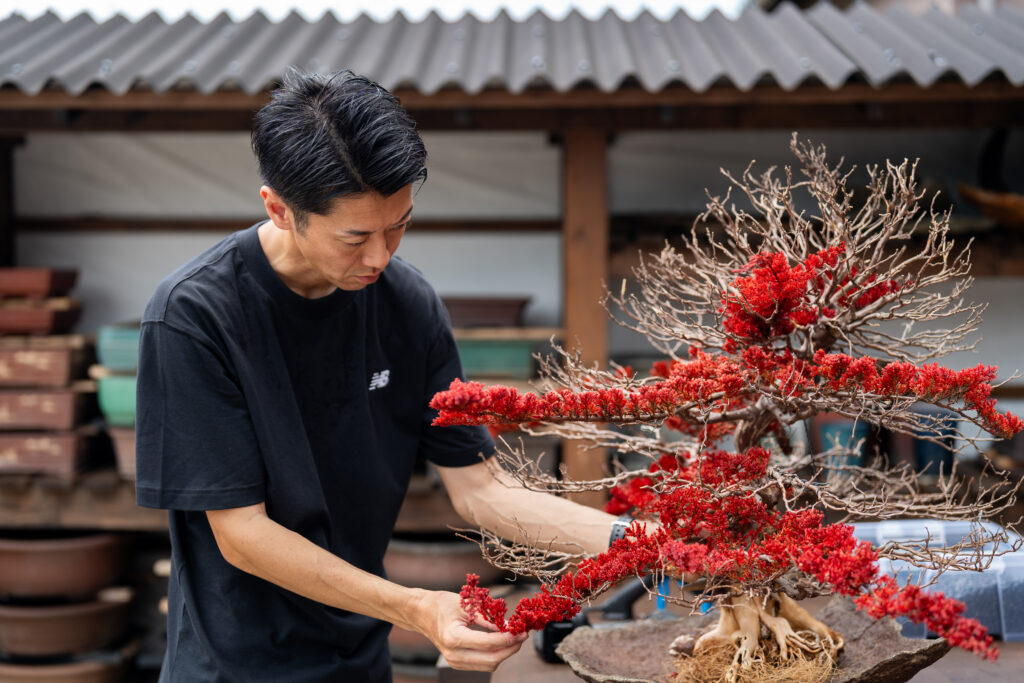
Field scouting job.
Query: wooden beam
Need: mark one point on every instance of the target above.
(8, 231)
(945, 113)
(585, 235)
(96, 224)
(1008, 391)
(582, 98)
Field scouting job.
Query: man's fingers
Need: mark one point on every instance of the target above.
(483, 623)
(464, 637)
(481, 660)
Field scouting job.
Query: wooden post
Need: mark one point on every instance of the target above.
(7, 232)
(585, 266)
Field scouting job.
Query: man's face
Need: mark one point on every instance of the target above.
(351, 245)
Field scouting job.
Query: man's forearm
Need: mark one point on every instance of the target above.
(494, 500)
(256, 544)
(251, 541)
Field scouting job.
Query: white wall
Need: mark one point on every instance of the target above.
(653, 172)
(214, 175)
(118, 271)
(472, 175)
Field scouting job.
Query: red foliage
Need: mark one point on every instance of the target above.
(634, 555)
(932, 383)
(701, 382)
(777, 297)
(718, 383)
(938, 613)
(476, 600)
(716, 510)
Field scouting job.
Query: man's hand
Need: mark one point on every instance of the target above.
(440, 617)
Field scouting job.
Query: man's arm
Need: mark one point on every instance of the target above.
(252, 542)
(488, 497)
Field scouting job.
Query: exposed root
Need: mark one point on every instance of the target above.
(713, 666)
(748, 636)
(721, 635)
(792, 646)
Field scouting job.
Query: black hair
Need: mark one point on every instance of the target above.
(324, 136)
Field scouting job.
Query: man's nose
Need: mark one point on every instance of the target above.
(376, 255)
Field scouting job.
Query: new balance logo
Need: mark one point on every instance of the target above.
(379, 380)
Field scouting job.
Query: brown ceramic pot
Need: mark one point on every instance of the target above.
(36, 282)
(70, 567)
(59, 454)
(73, 672)
(410, 646)
(495, 311)
(426, 509)
(437, 565)
(124, 450)
(49, 630)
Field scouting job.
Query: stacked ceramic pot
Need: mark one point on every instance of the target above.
(61, 618)
(45, 408)
(117, 347)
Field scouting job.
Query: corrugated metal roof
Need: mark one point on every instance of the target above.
(788, 47)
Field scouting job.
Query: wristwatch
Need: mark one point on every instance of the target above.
(619, 527)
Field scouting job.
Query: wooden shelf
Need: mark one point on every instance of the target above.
(95, 500)
(520, 385)
(507, 333)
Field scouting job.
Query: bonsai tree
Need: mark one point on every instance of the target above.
(767, 317)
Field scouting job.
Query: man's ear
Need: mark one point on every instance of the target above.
(278, 212)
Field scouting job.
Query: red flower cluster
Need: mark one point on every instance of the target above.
(476, 600)
(771, 301)
(701, 382)
(774, 299)
(932, 383)
(719, 384)
(938, 613)
(634, 555)
(678, 556)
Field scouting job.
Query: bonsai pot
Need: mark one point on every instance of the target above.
(49, 630)
(36, 283)
(124, 450)
(410, 646)
(436, 565)
(69, 566)
(91, 671)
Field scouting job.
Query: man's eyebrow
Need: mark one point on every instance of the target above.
(361, 233)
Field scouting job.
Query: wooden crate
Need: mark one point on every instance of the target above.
(36, 283)
(57, 409)
(60, 454)
(29, 365)
(38, 317)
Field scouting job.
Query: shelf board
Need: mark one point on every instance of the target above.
(523, 386)
(507, 333)
(94, 500)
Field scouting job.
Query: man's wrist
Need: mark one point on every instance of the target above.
(619, 527)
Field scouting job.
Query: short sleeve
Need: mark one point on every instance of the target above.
(195, 444)
(456, 446)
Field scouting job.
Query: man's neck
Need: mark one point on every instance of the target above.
(290, 265)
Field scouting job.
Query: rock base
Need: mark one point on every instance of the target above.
(638, 652)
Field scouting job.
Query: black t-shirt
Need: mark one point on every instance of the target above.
(249, 393)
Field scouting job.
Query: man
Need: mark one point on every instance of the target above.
(284, 379)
